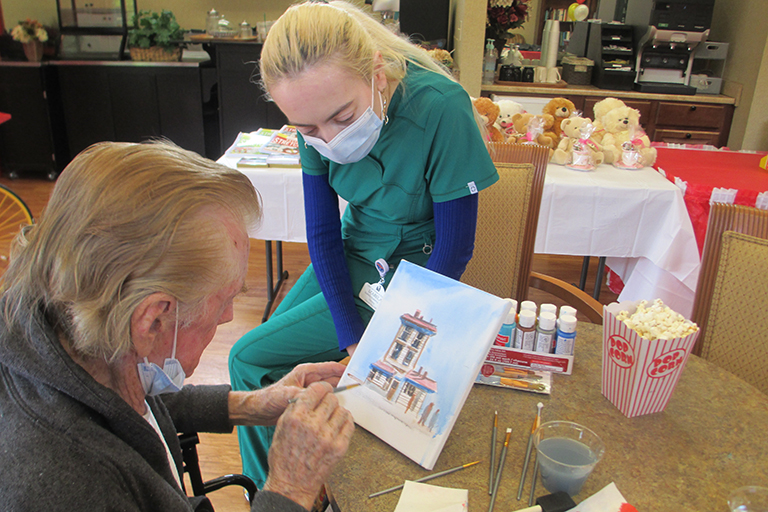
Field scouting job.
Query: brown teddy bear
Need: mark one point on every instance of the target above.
(526, 129)
(560, 109)
(489, 111)
(573, 130)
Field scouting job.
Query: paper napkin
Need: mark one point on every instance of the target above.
(418, 497)
(607, 499)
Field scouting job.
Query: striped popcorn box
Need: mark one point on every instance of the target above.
(639, 375)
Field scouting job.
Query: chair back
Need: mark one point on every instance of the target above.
(507, 217)
(731, 300)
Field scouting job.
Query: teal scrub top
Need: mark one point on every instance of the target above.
(429, 151)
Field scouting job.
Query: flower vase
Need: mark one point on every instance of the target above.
(34, 51)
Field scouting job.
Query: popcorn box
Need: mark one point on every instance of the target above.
(639, 375)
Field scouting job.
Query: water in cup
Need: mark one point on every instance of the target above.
(565, 464)
(566, 453)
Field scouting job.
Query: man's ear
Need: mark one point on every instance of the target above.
(151, 321)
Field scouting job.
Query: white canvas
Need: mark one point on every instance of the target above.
(447, 327)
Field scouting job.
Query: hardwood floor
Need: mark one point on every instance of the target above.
(218, 453)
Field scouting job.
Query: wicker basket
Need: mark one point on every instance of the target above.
(156, 54)
(577, 71)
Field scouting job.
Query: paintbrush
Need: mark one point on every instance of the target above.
(536, 422)
(338, 389)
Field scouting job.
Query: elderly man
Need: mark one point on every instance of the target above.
(109, 301)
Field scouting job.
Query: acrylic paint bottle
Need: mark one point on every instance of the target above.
(565, 310)
(526, 330)
(545, 332)
(548, 308)
(528, 305)
(566, 335)
(506, 335)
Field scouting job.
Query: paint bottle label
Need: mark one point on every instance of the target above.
(544, 342)
(504, 337)
(528, 339)
(566, 336)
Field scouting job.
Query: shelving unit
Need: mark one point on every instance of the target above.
(549, 5)
(612, 47)
(95, 29)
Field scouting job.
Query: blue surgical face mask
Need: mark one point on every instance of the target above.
(354, 142)
(169, 378)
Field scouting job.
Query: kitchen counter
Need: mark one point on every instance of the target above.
(503, 88)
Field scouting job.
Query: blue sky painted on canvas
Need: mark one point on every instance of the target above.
(459, 312)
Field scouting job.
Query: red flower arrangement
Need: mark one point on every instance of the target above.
(503, 16)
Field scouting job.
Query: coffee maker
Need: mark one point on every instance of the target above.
(667, 32)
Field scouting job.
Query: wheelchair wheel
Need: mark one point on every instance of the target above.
(14, 214)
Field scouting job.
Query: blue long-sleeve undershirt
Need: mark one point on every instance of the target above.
(455, 223)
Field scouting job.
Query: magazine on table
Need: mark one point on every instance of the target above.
(418, 358)
(250, 143)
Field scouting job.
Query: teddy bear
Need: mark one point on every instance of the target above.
(574, 130)
(560, 109)
(489, 111)
(507, 109)
(534, 128)
(601, 108)
(622, 129)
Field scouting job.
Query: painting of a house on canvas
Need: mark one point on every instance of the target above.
(418, 358)
(394, 375)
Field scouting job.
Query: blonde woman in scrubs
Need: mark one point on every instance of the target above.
(386, 128)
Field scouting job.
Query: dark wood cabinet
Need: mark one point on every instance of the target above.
(33, 139)
(242, 103)
(129, 102)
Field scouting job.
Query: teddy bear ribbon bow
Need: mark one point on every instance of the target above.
(589, 142)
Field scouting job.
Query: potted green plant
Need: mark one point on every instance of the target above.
(155, 37)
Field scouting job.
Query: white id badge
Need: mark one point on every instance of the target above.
(372, 294)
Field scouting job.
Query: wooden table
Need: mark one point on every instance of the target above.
(710, 440)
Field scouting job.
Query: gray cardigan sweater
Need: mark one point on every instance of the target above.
(69, 443)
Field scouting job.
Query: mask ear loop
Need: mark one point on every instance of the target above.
(175, 331)
(382, 102)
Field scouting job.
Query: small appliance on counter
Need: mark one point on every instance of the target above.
(668, 32)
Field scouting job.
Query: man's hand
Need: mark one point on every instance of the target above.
(264, 406)
(311, 438)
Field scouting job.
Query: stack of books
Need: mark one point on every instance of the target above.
(267, 147)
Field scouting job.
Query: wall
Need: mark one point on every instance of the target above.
(189, 13)
(742, 24)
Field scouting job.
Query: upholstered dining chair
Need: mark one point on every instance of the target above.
(508, 213)
(507, 218)
(731, 302)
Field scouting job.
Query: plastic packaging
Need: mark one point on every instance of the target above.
(566, 335)
(582, 156)
(630, 156)
(506, 335)
(545, 332)
(489, 62)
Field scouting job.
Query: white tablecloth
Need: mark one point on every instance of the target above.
(637, 219)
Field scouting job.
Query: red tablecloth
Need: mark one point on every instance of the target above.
(704, 170)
